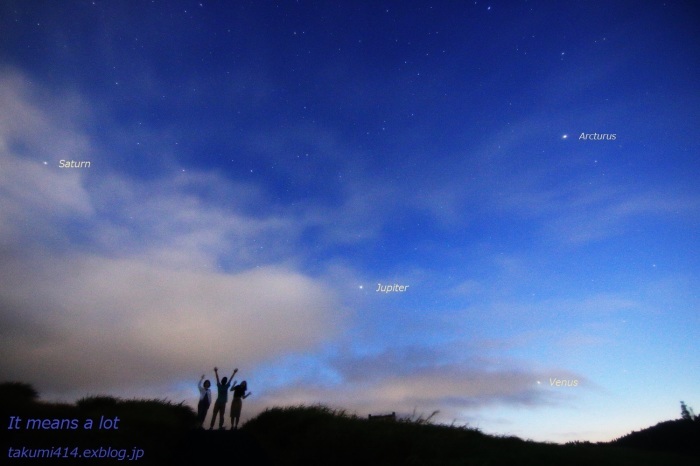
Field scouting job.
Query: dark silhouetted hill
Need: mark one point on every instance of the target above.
(164, 431)
(681, 436)
(321, 436)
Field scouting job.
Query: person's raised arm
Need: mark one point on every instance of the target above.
(234, 373)
(200, 383)
(247, 395)
(216, 372)
(233, 385)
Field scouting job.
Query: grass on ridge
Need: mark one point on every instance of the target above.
(316, 435)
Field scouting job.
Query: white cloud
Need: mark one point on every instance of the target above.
(109, 322)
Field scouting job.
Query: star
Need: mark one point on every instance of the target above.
(565, 136)
(361, 287)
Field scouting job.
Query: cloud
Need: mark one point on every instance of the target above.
(32, 197)
(422, 382)
(33, 201)
(27, 128)
(580, 212)
(194, 220)
(113, 282)
(596, 214)
(112, 323)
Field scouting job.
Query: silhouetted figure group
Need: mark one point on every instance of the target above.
(222, 388)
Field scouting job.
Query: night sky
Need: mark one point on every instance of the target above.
(526, 172)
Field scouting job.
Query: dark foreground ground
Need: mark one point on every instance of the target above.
(158, 432)
(318, 435)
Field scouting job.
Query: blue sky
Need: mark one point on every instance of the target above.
(257, 168)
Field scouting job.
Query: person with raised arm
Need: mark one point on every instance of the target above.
(204, 401)
(239, 394)
(221, 399)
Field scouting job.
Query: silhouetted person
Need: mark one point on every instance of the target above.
(238, 395)
(221, 399)
(204, 401)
